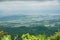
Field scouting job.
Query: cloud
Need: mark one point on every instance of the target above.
(28, 7)
(29, 0)
(23, 0)
(22, 4)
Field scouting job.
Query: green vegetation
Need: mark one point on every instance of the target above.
(27, 36)
(6, 36)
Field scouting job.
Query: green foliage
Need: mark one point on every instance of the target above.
(28, 36)
(33, 37)
(16, 37)
(41, 37)
(55, 37)
(6, 37)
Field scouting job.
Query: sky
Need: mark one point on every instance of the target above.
(27, 7)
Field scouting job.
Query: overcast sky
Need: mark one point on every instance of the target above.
(29, 0)
(29, 7)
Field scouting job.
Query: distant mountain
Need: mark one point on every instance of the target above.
(30, 20)
(30, 17)
(14, 17)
